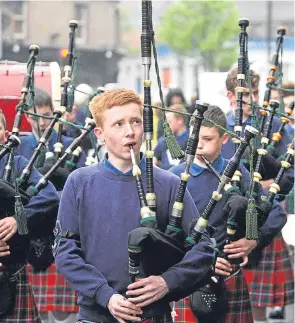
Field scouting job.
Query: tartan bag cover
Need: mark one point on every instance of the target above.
(25, 309)
(52, 292)
(271, 283)
(238, 304)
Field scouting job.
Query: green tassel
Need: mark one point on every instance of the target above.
(251, 220)
(20, 217)
(290, 202)
(257, 139)
(171, 143)
(41, 158)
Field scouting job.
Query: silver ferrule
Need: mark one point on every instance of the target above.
(176, 213)
(68, 150)
(146, 61)
(148, 136)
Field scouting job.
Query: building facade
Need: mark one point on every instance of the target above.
(45, 23)
(265, 17)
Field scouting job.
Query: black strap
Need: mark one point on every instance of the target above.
(68, 235)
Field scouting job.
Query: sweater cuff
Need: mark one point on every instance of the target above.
(262, 241)
(103, 295)
(172, 281)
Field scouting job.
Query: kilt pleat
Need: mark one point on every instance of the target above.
(25, 308)
(238, 303)
(240, 310)
(52, 292)
(271, 283)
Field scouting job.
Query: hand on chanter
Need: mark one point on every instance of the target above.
(4, 249)
(240, 249)
(223, 267)
(8, 228)
(123, 310)
(147, 290)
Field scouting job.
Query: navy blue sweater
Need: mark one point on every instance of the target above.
(228, 149)
(101, 207)
(201, 185)
(41, 210)
(29, 143)
(163, 154)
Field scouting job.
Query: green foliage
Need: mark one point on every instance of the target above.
(125, 23)
(208, 29)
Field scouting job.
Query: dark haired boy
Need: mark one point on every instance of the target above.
(201, 185)
(41, 209)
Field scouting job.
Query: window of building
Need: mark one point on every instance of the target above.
(82, 16)
(17, 15)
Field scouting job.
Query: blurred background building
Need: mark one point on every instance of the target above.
(45, 23)
(108, 42)
(265, 17)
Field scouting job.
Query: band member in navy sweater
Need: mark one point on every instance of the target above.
(44, 106)
(100, 206)
(201, 185)
(53, 294)
(40, 211)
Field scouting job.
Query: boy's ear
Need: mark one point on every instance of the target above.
(99, 134)
(231, 96)
(6, 134)
(225, 138)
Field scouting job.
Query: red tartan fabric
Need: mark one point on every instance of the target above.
(238, 303)
(272, 282)
(25, 309)
(52, 292)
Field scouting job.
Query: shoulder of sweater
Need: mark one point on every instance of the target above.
(20, 163)
(67, 139)
(177, 169)
(20, 160)
(161, 142)
(24, 139)
(82, 175)
(163, 177)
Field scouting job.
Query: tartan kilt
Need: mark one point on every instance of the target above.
(52, 292)
(25, 308)
(271, 283)
(238, 303)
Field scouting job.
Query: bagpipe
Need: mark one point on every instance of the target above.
(277, 136)
(33, 190)
(225, 180)
(240, 89)
(285, 165)
(271, 78)
(13, 200)
(60, 174)
(265, 203)
(41, 256)
(262, 151)
(269, 165)
(13, 141)
(148, 242)
(39, 243)
(241, 76)
(14, 195)
(66, 80)
(143, 242)
(152, 250)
